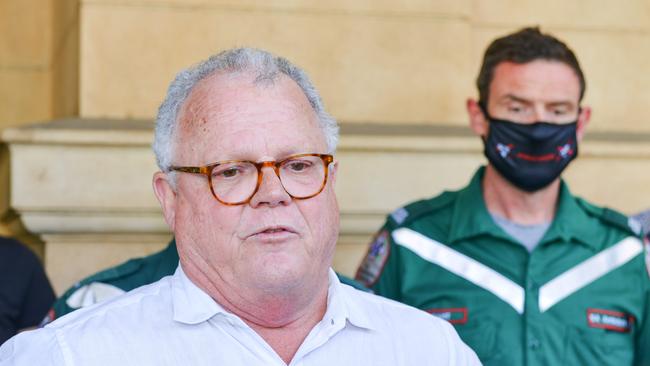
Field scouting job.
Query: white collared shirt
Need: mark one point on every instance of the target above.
(173, 322)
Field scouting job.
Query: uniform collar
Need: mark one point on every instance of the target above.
(471, 218)
(572, 222)
(191, 305)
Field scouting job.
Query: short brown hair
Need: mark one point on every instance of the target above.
(523, 46)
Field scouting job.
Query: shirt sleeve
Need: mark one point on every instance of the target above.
(37, 347)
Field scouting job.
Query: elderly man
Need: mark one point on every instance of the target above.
(528, 273)
(247, 186)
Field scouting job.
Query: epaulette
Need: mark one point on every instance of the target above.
(611, 217)
(414, 210)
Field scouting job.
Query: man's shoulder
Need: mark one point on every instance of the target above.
(34, 347)
(394, 315)
(432, 217)
(431, 208)
(610, 218)
(92, 326)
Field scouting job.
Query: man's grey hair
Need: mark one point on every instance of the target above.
(265, 67)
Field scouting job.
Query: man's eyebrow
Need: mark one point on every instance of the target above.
(560, 103)
(514, 98)
(553, 103)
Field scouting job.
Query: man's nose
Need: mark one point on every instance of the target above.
(539, 113)
(270, 192)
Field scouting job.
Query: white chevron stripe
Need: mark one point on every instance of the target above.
(463, 266)
(588, 271)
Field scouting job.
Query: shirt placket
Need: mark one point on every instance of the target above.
(322, 333)
(532, 338)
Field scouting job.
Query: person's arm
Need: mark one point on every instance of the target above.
(380, 268)
(38, 297)
(642, 346)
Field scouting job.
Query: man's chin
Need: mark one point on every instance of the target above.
(280, 277)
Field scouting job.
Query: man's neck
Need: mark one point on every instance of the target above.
(518, 206)
(283, 320)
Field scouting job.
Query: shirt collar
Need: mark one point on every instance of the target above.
(572, 222)
(471, 218)
(342, 307)
(191, 305)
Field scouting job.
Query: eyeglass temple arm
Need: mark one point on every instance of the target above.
(190, 169)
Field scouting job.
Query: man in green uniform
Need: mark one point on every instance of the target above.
(125, 277)
(528, 273)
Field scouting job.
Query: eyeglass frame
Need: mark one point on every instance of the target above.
(206, 170)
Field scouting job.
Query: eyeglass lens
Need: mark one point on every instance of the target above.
(236, 181)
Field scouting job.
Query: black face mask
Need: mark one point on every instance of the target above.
(530, 156)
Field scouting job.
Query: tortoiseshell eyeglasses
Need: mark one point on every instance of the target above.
(235, 182)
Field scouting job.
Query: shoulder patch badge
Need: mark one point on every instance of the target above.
(610, 320)
(373, 263)
(399, 215)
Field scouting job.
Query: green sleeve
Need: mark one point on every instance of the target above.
(642, 346)
(380, 268)
(643, 342)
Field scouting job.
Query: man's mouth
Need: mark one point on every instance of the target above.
(278, 230)
(274, 233)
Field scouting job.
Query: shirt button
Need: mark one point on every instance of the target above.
(533, 344)
(530, 285)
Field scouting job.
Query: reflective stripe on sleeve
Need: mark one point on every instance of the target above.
(463, 266)
(588, 271)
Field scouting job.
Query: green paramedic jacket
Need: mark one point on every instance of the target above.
(125, 277)
(582, 297)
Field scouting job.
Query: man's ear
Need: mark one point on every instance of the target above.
(477, 120)
(166, 196)
(583, 120)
